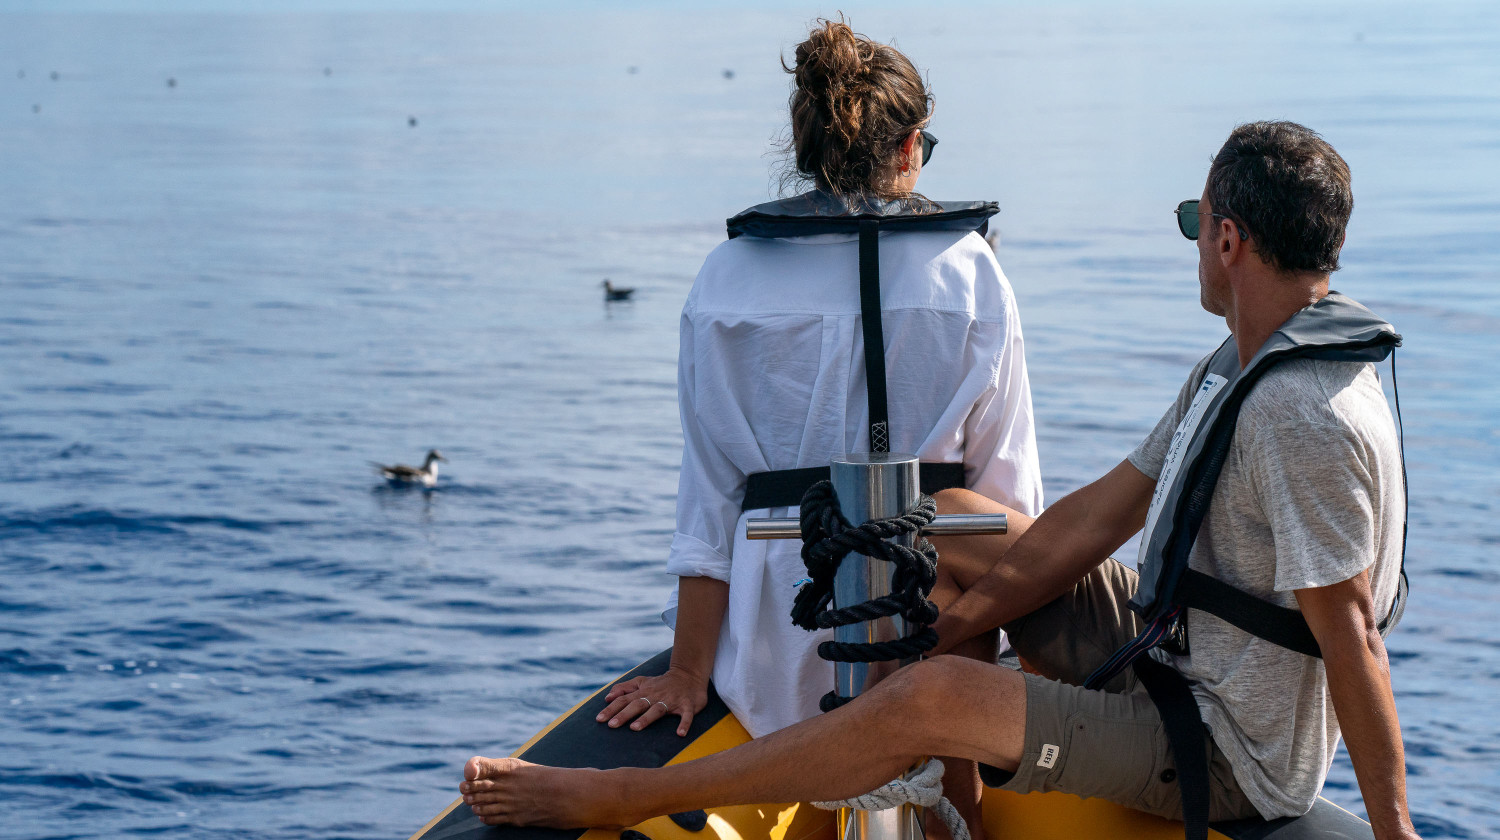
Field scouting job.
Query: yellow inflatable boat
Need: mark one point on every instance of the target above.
(576, 740)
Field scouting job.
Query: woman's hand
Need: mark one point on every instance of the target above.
(646, 699)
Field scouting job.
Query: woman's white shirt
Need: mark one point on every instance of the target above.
(771, 377)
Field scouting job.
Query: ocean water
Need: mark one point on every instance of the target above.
(241, 256)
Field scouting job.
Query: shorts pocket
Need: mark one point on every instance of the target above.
(1112, 758)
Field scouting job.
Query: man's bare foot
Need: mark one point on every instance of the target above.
(508, 791)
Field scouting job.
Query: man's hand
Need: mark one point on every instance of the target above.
(1342, 618)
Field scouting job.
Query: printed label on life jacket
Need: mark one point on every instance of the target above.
(1178, 447)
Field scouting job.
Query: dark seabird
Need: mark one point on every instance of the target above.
(401, 474)
(55, 75)
(613, 293)
(729, 74)
(171, 83)
(411, 121)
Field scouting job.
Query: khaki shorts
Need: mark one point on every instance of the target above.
(1109, 743)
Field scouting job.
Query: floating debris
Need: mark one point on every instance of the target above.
(411, 121)
(729, 74)
(632, 69)
(171, 82)
(328, 71)
(55, 75)
(36, 109)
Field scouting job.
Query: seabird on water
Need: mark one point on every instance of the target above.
(612, 292)
(401, 474)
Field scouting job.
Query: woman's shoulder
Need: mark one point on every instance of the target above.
(938, 270)
(958, 269)
(751, 274)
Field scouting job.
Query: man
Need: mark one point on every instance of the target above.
(1302, 512)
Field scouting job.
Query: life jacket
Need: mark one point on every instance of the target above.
(1335, 328)
(819, 212)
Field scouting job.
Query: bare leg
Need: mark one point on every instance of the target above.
(961, 561)
(944, 706)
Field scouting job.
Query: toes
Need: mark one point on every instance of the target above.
(480, 767)
(479, 786)
(488, 810)
(483, 797)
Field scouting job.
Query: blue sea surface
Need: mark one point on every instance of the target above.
(242, 255)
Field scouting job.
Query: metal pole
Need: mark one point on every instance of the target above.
(869, 486)
(945, 525)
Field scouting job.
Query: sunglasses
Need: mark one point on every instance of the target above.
(928, 141)
(1187, 219)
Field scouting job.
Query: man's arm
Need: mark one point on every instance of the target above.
(1065, 543)
(1342, 618)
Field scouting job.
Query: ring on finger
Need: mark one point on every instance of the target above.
(647, 699)
(663, 704)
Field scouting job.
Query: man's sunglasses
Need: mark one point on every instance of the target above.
(928, 141)
(1188, 216)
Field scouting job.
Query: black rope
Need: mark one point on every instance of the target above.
(827, 538)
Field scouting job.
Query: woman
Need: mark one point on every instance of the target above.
(772, 377)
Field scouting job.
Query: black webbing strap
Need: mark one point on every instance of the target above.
(1183, 724)
(785, 488)
(1258, 617)
(869, 309)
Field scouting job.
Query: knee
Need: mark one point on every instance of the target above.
(923, 689)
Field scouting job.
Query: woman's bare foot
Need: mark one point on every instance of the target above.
(508, 791)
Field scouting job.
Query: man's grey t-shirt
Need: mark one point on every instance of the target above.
(1311, 495)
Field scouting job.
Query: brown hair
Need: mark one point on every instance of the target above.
(855, 102)
(1289, 189)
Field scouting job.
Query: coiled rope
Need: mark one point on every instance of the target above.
(827, 538)
(924, 789)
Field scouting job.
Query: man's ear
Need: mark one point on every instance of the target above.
(1230, 243)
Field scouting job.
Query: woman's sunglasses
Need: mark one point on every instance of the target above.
(928, 141)
(1188, 216)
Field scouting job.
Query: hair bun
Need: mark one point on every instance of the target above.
(854, 102)
(833, 65)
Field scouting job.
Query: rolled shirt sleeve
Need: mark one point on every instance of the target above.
(709, 488)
